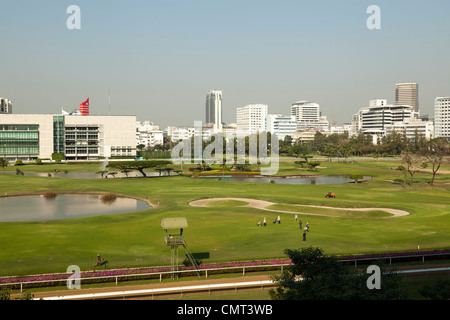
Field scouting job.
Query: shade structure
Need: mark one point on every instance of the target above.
(174, 223)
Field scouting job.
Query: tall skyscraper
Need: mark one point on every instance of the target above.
(213, 110)
(5, 106)
(442, 118)
(407, 94)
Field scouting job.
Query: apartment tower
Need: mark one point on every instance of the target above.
(213, 110)
(407, 94)
(442, 117)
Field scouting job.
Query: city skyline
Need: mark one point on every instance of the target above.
(153, 56)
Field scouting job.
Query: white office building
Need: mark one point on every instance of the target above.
(280, 125)
(442, 117)
(185, 133)
(356, 127)
(251, 119)
(412, 128)
(32, 136)
(148, 134)
(341, 129)
(379, 114)
(181, 133)
(308, 116)
(213, 109)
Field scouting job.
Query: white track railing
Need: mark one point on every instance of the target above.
(161, 274)
(149, 275)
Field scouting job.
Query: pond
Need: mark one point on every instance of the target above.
(89, 175)
(64, 206)
(297, 180)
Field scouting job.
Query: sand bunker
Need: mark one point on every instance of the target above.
(261, 204)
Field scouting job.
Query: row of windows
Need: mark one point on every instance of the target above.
(82, 137)
(19, 135)
(19, 150)
(81, 128)
(16, 127)
(81, 150)
(20, 143)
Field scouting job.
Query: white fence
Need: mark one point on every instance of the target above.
(148, 275)
(206, 272)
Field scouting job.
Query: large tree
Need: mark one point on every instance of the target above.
(434, 152)
(138, 165)
(410, 163)
(3, 164)
(314, 276)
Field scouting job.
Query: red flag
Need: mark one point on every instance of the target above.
(84, 108)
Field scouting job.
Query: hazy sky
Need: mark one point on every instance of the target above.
(160, 58)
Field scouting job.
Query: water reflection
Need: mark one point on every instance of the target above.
(297, 180)
(63, 206)
(90, 175)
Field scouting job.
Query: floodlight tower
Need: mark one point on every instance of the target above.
(174, 240)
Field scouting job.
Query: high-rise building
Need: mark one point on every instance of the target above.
(281, 125)
(407, 94)
(213, 110)
(307, 114)
(379, 114)
(442, 117)
(5, 106)
(251, 119)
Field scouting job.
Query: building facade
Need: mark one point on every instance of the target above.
(407, 94)
(411, 129)
(379, 114)
(148, 134)
(213, 110)
(280, 125)
(251, 119)
(31, 136)
(308, 116)
(442, 118)
(5, 106)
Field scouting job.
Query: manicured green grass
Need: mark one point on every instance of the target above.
(226, 231)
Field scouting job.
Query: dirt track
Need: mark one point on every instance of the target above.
(261, 204)
(163, 285)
